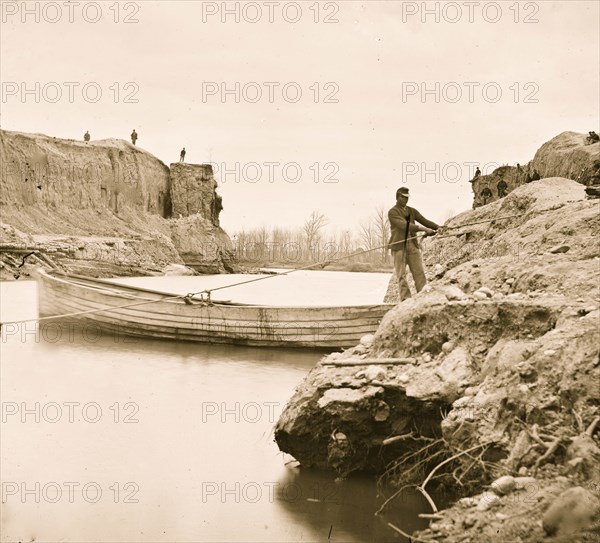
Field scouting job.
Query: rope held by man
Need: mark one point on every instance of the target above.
(187, 298)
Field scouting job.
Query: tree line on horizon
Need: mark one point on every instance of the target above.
(311, 243)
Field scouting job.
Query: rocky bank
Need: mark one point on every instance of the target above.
(104, 208)
(493, 370)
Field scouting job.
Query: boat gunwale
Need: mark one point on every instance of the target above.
(52, 277)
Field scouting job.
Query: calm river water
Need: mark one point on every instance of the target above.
(118, 439)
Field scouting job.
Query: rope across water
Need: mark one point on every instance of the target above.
(331, 261)
(188, 298)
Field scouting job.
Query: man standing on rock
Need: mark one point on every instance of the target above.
(486, 194)
(502, 186)
(477, 175)
(134, 136)
(86, 136)
(182, 155)
(404, 244)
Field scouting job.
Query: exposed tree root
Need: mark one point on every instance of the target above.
(409, 475)
(408, 536)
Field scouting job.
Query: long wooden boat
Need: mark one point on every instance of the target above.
(140, 312)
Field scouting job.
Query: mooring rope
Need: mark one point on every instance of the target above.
(187, 298)
(89, 311)
(331, 261)
(321, 264)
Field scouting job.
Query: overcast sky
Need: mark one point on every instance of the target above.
(510, 77)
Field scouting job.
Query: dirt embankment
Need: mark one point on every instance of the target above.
(569, 155)
(104, 208)
(494, 371)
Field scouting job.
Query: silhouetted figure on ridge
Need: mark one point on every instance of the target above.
(476, 176)
(502, 186)
(134, 136)
(486, 194)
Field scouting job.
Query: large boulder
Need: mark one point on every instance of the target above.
(575, 510)
(569, 155)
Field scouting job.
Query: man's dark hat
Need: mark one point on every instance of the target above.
(403, 191)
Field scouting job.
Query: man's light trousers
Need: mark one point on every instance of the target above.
(410, 256)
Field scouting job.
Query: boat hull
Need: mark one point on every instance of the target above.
(156, 315)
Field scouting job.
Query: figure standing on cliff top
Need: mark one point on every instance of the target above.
(404, 244)
(134, 136)
(592, 138)
(476, 176)
(182, 155)
(86, 136)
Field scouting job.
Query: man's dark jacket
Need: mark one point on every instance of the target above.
(398, 218)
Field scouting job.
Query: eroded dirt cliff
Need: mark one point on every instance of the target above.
(569, 155)
(104, 208)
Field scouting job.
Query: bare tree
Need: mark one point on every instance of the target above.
(312, 229)
(281, 239)
(381, 225)
(240, 240)
(304, 245)
(368, 238)
(261, 238)
(346, 242)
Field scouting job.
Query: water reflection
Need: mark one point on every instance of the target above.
(57, 334)
(185, 429)
(344, 511)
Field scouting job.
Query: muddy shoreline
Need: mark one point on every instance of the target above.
(489, 374)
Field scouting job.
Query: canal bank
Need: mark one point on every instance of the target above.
(491, 371)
